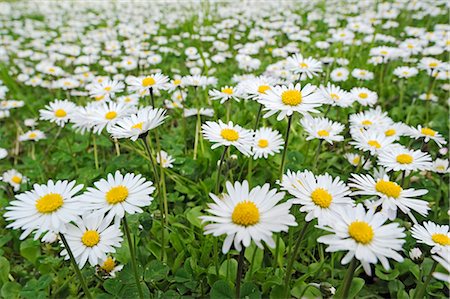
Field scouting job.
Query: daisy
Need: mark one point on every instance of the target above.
(395, 130)
(138, 124)
(440, 166)
(319, 196)
(33, 135)
(372, 117)
(290, 179)
(289, 99)
(362, 74)
(322, 128)
(335, 96)
(108, 114)
(428, 134)
(365, 236)
(119, 194)
(400, 158)
(405, 72)
(46, 207)
(355, 160)
(443, 258)
(58, 112)
(228, 134)
(165, 159)
(256, 87)
(90, 238)
(224, 94)
(266, 142)
(142, 85)
(432, 234)
(109, 267)
(306, 67)
(371, 140)
(245, 215)
(364, 96)
(339, 74)
(106, 89)
(14, 178)
(389, 195)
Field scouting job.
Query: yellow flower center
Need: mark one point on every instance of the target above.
(99, 98)
(433, 64)
(148, 81)
(334, 96)
(363, 95)
(366, 122)
(389, 132)
(383, 52)
(245, 213)
(323, 133)
(321, 198)
(227, 90)
(361, 232)
(117, 194)
(111, 115)
(303, 65)
(60, 113)
(32, 135)
(90, 238)
(176, 82)
(291, 97)
(428, 132)
(107, 88)
(138, 126)
(263, 88)
(356, 160)
(263, 143)
(16, 179)
(49, 203)
(441, 239)
(388, 188)
(374, 143)
(229, 134)
(404, 159)
(108, 264)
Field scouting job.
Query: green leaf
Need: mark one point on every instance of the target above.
(30, 249)
(113, 286)
(4, 269)
(386, 276)
(192, 216)
(228, 269)
(355, 287)
(277, 292)
(10, 290)
(250, 291)
(221, 290)
(155, 271)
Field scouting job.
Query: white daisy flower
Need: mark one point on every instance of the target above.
(364, 96)
(228, 134)
(106, 89)
(224, 94)
(335, 96)
(395, 130)
(355, 160)
(266, 142)
(289, 99)
(119, 194)
(14, 178)
(443, 258)
(142, 85)
(306, 67)
(108, 114)
(245, 215)
(432, 234)
(405, 72)
(33, 135)
(255, 87)
(370, 118)
(400, 158)
(322, 128)
(3, 153)
(290, 179)
(428, 134)
(91, 237)
(46, 207)
(365, 236)
(109, 267)
(165, 159)
(58, 112)
(371, 140)
(440, 166)
(389, 195)
(339, 74)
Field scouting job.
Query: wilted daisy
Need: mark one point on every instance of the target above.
(109, 267)
(14, 178)
(224, 94)
(245, 215)
(306, 67)
(138, 124)
(289, 99)
(33, 135)
(224, 134)
(364, 96)
(365, 236)
(389, 195)
(57, 112)
(319, 196)
(266, 142)
(47, 207)
(91, 237)
(119, 194)
(164, 159)
(400, 158)
(428, 134)
(432, 234)
(322, 128)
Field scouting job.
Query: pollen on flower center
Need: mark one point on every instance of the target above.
(263, 88)
(363, 95)
(245, 213)
(117, 194)
(32, 135)
(108, 264)
(321, 198)
(148, 81)
(356, 160)
(227, 90)
(374, 143)
(388, 188)
(90, 238)
(361, 232)
(107, 88)
(389, 132)
(404, 159)
(60, 113)
(16, 179)
(111, 115)
(176, 82)
(303, 65)
(441, 239)
(334, 96)
(49, 203)
(291, 97)
(323, 133)
(263, 143)
(428, 132)
(229, 134)
(433, 64)
(366, 122)
(138, 126)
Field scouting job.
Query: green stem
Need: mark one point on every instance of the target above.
(133, 257)
(423, 287)
(94, 142)
(286, 142)
(258, 117)
(197, 129)
(347, 282)
(240, 269)
(317, 154)
(75, 266)
(222, 158)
